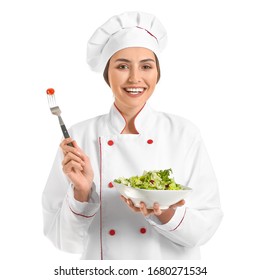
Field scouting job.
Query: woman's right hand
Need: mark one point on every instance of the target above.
(77, 167)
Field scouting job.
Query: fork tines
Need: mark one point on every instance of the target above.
(51, 100)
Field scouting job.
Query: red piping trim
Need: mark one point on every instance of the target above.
(180, 221)
(81, 214)
(100, 194)
(78, 213)
(122, 116)
(125, 119)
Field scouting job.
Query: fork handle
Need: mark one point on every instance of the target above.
(65, 133)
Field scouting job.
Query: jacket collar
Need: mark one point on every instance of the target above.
(143, 120)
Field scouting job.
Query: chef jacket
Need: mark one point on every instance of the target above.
(105, 227)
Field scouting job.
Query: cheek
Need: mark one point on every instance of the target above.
(116, 79)
(115, 82)
(153, 80)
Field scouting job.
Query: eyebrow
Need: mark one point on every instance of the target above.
(128, 61)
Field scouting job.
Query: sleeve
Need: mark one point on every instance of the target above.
(66, 220)
(196, 222)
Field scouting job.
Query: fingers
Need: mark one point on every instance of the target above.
(130, 204)
(178, 204)
(74, 158)
(76, 150)
(142, 208)
(156, 209)
(72, 165)
(146, 212)
(66, 149)
(163, 215)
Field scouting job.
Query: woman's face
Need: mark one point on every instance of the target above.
(132, 77)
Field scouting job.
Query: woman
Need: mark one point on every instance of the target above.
(83, 212)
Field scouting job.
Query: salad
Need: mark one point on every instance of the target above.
(151, 180)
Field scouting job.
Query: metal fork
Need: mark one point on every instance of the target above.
(57, 112)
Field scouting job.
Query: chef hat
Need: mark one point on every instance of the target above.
(130, 29)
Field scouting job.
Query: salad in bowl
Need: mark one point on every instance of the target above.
(152, 186)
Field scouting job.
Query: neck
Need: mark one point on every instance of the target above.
(129, 116)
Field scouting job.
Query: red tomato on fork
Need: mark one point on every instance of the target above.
(50, 91)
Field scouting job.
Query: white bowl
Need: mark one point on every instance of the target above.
(165, 198)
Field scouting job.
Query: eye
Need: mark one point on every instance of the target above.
(123, 66)
(147, 67)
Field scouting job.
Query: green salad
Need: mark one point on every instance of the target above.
(151, 180)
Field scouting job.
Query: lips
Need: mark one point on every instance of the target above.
(134, 91)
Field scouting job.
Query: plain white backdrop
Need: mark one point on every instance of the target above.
(210, 75)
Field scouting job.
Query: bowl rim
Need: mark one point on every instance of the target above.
(145, 190)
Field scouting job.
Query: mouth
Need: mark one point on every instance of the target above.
(134, 91)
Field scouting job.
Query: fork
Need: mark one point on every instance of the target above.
(57, 112)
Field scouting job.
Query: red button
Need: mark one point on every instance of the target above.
(112, 232)
(110, 185)
(110, 142)
(150, 141)
(143, 230)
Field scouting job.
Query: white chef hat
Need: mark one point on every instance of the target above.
(130, 29)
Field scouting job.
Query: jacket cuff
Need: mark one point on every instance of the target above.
(83, 209)
(174, 222)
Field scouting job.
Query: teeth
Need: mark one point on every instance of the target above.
(134, 90)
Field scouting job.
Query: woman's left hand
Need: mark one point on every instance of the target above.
(164, 215)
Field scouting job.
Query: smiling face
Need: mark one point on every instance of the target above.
(132, 76)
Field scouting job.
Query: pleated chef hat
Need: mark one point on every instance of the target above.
(130, 29)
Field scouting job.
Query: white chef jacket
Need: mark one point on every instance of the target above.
(105, 227)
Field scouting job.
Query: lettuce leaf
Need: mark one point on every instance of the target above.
(151, 180)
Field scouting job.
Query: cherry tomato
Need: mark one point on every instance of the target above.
(50, 91)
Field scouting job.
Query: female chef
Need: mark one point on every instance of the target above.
(83, 212)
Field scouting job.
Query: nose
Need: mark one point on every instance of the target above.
(134, 76)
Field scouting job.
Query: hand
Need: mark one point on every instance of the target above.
(163, 215)
(77, 167)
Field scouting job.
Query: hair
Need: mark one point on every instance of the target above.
(105, 73)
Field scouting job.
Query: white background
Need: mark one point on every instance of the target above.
(210, 75)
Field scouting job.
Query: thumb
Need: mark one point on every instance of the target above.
(178, 204)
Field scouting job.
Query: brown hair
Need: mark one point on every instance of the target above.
(105, 73)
